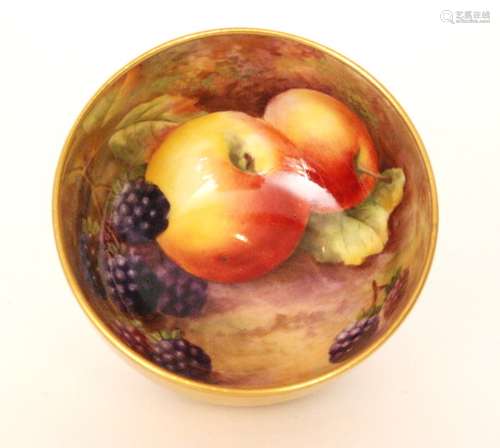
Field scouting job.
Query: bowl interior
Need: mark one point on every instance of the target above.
(276, 330)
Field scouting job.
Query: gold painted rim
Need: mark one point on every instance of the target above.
(185, 383)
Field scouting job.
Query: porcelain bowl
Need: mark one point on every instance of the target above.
(311, 288)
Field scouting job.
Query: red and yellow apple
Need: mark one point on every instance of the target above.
(239, 196)
(332, 139)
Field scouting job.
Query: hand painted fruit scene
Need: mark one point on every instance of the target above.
(246, 210)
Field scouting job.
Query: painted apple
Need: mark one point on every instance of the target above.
(333, 140)
(239, 195)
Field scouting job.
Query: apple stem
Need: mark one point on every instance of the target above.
(249, 162)
(374, 175)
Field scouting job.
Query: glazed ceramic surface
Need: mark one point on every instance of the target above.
(210, 235)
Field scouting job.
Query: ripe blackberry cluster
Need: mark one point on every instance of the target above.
(131, 284)
(183, 294)
(143, 281)
(181, 357)
(353, 337)
(134, 338)
(88, 249)
(139, 212)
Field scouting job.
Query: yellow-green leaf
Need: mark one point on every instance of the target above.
(351, 236)
(145, 126)
(90, 226)
(111, 102)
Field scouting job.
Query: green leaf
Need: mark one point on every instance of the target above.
(169, 334)
(393, 280)
(133, 173)
(351, 236)
(116, 248)
(369, 312)
(74, 176)
(358, 103)
(145, 126)
(176, 334)
(111, 102)
(90, 226)
(96, 116)
(136, 172)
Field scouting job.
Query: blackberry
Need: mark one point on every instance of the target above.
(353, 338)
(134, 338)
(139, 211)
(183, 294)
(88, 249)
(395, 292)
(132, 285)
(181, 357)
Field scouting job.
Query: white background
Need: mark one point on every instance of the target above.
(434, 383)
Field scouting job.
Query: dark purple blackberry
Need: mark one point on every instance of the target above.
(131, 284)
(88, 249)
(353, 337)
(183, 294)
(396, 290)
(134, 338)
(181, 357)
(139, 212)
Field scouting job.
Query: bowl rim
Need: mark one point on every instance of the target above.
(205, 388)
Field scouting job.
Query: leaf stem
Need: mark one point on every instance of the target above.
(375, 293)
(75, 169)
(92, 194)
(103, 186)
(113, 235)
(373, 174)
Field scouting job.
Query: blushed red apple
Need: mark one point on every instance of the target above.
(239, 196)
(333, 140)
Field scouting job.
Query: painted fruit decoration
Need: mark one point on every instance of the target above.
(331, 138)
(239, 195)
(218, 200)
